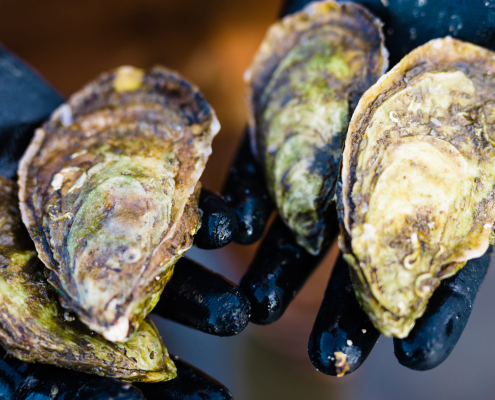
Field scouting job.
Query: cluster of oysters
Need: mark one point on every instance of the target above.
(109, 186)
(409, 155)
(108, 191)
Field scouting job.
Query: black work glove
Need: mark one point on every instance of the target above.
(195, 296)
(281, 266)
(20, 380)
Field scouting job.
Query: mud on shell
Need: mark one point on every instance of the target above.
(109, 189)
(303, 84)
(418, 175)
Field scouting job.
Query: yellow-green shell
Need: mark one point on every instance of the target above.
(35, 328)
(303, 83)
(418, 177)
(109, 189)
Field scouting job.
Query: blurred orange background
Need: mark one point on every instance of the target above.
(209, 42)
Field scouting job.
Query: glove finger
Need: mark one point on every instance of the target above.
(218, 223)
(26, 101)
(342, 336)
(203, 300)
(292, 6)
(436, 333)
(245, 192)
(277, 273)
(411, 23)
(20, 381)
(190, 384)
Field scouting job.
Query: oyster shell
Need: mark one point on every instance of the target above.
(418, 176)
(34, 327)
(303, 83)
(109, 190)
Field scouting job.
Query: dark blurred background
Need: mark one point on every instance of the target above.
(211, 43)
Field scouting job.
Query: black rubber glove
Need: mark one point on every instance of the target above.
(195, 296)
(20, 380)
(281, 267)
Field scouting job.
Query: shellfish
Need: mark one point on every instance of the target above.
(418, 175)
(34, 327)
(303, 84)
(109, 188)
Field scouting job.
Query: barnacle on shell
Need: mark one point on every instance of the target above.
(303, 84)
(109, 189)
(418, 175)
(34, 326)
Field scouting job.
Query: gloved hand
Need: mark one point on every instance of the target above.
(20, 380)
(195, 296)
(281, 267)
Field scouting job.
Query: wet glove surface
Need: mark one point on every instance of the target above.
(281, 267)
(20, 381)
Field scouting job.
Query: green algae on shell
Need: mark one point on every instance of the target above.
(35, 328)
(418, 175)
(108, 190)
(303, 84)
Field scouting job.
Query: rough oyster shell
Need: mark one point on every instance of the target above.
(303, 83)
(109, 189)
(34, 327)
(418, 176)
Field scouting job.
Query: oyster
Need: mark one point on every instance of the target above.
(109, 190)
(303, 83)
(418, 175)
(34, 327)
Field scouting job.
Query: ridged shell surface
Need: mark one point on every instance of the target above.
(418, 176)
(34, 327)
(109, 189)
(303, 84)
